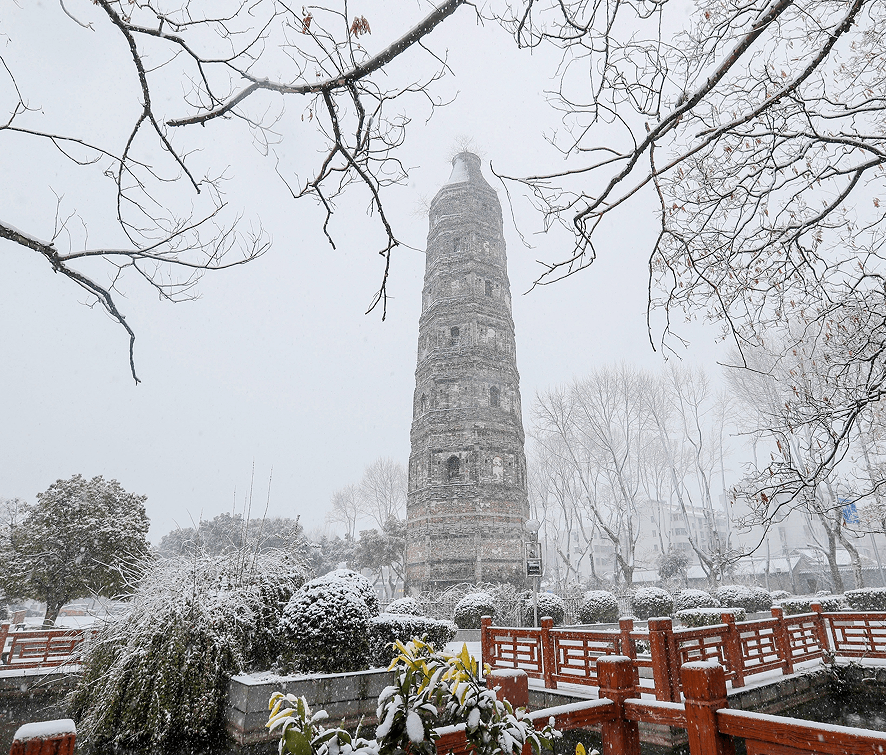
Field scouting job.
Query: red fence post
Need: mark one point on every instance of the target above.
(626, 626)
(45, 738)
(704, 688)
(821, 629)
(486, 641)
(548, 656)
(511, 685)
(734, 656)
(616, 675)
(664, 662)
(4, 633)
(783, 640)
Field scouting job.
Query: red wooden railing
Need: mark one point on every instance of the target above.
(40, 648)
(741, 648)
(705, 714)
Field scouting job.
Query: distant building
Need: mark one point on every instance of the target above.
(467, 500)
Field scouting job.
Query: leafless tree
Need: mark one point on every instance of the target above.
(345, 509)
(801, 399)
(555, 496)
(382, 491)
(193, 65)
(759, 129)
(689, 417)
(600, 426)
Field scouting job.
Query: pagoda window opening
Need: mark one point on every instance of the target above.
(489, 288)
(453, 467)
(453, 336)
(494, 396)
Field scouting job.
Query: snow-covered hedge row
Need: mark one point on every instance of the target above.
(405, 605)
(548, 605)
(472, 608)
(689, 598)
(598, 607)
(749, 597)
(651, 601)
(706, 617)
(386, 628)
(794, 606)
(867, 599)
(156, 677)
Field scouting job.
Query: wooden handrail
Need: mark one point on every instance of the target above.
(810, 736)
(710, 724)
(743, 648)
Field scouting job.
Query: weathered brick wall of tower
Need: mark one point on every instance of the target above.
(467, 499)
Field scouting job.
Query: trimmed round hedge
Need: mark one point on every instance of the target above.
(749, 597)
(652, 601)
(688, 598)
(598, 607)
(472, 608)
(354, 581)
(407, 605)
(326, 625)
(548, 605)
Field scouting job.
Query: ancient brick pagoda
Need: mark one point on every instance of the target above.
(467, 497)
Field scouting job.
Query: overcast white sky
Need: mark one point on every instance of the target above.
(276, 364)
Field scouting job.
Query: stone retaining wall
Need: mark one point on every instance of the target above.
(345, 697)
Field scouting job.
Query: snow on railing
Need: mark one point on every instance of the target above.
(741, 648)
(704, 713)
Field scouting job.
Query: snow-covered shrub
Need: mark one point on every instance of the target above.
(689, 598)
(749, 597)
(385, 629)
(794, 606)
(156, 676)
(548, 605)
(430, 689)
(598, 607)
(706, 617)
(778, 595)
(405, 605)
(353, 581)
(867, 599)
(472, 608)
(326, 626)
(830, 602)
(651, 601)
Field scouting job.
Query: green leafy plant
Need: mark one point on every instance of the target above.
(430, 689)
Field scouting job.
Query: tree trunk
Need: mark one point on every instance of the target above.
(831, 555)
(857, 570)
(53, 606)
